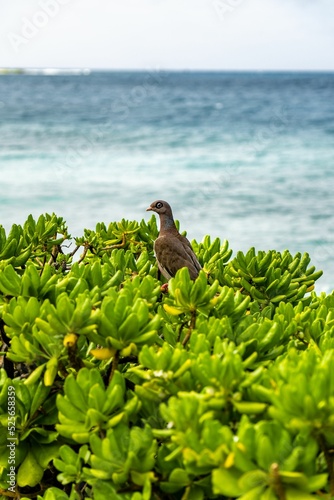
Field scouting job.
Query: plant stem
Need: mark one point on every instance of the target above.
(117, 245)
(276, 482)
(191, 327)
(86, 248)
(114, 365)
(74, 251)
(329, 457)
(183, 324)
(7, 493)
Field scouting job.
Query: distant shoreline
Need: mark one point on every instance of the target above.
(87, 71)
(44, 71)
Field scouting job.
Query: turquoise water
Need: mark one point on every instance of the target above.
(244, 156)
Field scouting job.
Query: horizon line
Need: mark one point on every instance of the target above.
(176, 70)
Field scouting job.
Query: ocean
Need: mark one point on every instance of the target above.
(247, 157)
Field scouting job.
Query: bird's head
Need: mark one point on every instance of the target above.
(160, 207)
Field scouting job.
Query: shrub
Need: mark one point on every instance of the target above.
(221, 388)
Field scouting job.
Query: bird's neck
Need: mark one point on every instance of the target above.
(167, 224)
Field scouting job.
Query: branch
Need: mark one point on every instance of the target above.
(329, 457)
(114, 365)
(191, 327)
(276, 482)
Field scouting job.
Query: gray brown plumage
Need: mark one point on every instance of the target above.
(173, 251)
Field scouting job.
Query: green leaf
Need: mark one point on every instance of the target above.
(39, 395)
(55, 494)
(226, 482)
(315, 483)
(249, 407)
(44, 454)
(30, 472)
(253, 494)
(75, 393)
(294, 494)
(180, 477)
(69, 410)
(253, 479)
(130, 328)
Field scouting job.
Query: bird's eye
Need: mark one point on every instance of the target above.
(158, 205)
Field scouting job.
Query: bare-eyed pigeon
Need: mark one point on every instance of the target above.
(173, 251)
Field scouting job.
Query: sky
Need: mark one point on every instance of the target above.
(168, 34)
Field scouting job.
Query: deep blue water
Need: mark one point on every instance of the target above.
(244, 156)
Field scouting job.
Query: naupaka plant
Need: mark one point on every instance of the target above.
(218, 387)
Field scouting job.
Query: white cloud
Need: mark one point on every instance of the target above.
(181, 34)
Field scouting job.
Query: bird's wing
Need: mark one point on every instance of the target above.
(172, 253)
(190, 252)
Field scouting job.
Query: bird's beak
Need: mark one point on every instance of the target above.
(148, 209)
